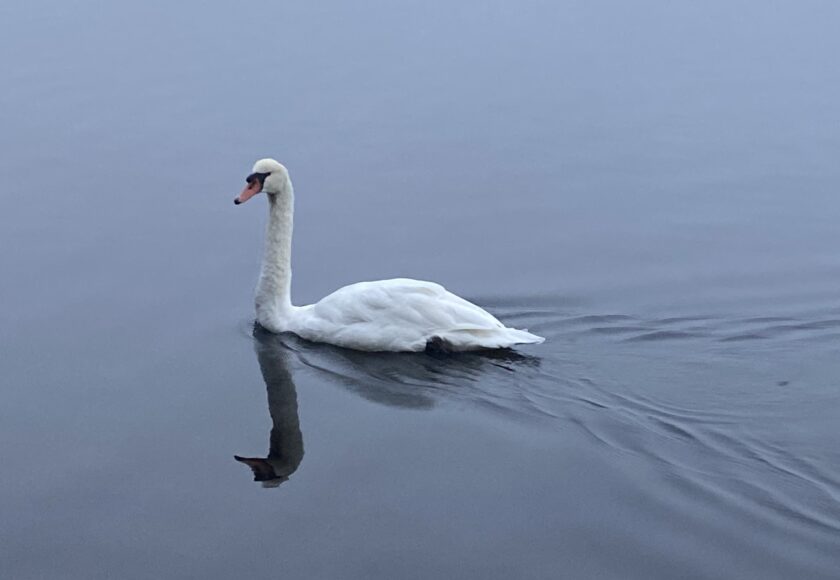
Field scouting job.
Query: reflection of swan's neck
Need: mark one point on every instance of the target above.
(286, 440)
(273, 299)
(285, 450)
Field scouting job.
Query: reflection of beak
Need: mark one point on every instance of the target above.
(263, 471)
(252, 189)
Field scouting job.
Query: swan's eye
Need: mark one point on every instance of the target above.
(257, 177)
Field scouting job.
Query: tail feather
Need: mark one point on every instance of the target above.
(525, 337)
(478, 339)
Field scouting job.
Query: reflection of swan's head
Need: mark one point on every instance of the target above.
(267, 175)
(263, 470)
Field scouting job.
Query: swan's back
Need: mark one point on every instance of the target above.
(403, 315)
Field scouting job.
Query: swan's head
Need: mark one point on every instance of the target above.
(267, 175)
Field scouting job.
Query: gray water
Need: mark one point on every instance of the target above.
(652, 186)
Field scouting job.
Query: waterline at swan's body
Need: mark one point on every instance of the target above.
(387, 315)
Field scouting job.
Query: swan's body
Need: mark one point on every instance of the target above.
(402, 315)
(387, 315)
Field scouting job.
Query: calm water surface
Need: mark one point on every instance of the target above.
(652, 186)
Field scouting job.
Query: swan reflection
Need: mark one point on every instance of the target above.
(407, 380)
(285, 450)
(413, 380)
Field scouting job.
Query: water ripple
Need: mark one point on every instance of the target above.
(559, 323)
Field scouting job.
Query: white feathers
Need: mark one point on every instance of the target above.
(402, 315)
(388, 315)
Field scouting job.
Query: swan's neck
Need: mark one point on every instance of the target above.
(273, 298)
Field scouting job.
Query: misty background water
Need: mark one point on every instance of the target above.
(651, 186)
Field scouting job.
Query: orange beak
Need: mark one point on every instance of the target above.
(252, 189)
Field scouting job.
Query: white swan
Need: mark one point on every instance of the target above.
(388, 315)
